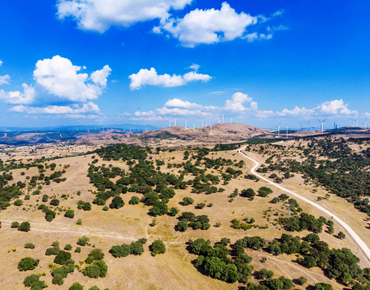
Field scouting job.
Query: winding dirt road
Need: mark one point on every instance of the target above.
(349, 230)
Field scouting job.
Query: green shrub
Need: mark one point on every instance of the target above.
(14, 225)
(174, 211)
(29, 246)
(27, 197)
(86, 206)
(78, 250)
(62, 257)
(76, 286)
(187, 200)
(117, 202)
(24, 227)
(68, 247)
(83, 241)
(27, 263)
(89, 260)
(69, 214)
(18, 202)
(57, 280)
(54, 202)
(158, 247)
(134, 200)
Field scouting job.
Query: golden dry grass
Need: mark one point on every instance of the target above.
(172, 270)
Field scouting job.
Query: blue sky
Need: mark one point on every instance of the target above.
(153, 61)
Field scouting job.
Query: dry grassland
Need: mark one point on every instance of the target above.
(172, 270)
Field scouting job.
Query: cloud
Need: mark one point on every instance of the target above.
(194, 67)
(100, 76)
(180, 104)
(278, 13)
(58, 76)
(208, 26)
(99, 15)
(296, 111)
(265, 114)
(1, 63)
(278, 28)
(150, 77)
(86, 108)
(237, 101)
(255, 36)
(18, 97)
(335, 107)
(4, 80)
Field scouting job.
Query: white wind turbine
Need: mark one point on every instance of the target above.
(302, 129)
(322, 125)
(218, 120)
(365, 124)
(278, 130)
(286, 126)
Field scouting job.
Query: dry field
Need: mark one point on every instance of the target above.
(174, 269)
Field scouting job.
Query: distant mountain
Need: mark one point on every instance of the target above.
(126, 127)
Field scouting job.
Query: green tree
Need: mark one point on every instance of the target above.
(54, 202)
(97, 254)
(341, 235)
(57, 280)
(182, 225)
(187, 200)
(158, 247)
(323, 286)
(29, 246)
(27, 263)
(248, 193)
(76, 286)
(117, 202)
(159, 208)
(83, 241)
(134, 200)
(301, 280)
(174, 211)
(24, 227)
(62, 257)
(86, 206)
(69, 214)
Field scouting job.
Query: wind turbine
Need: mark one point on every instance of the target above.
(202, 123)
(302, 128)
(223, 118)
(357, 122)
(322, 125)
(278, 130)
(231, 119)
(169, 123)
(365, 124)
(218, 120)
(175, 122)
(286, 126)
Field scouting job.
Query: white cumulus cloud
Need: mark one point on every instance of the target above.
(181, 104)
(335, 107)
(150, 77)
(296, 111)
(208, 26)
(86, 108)
(99, 15)
(237, 101)
(18, 97)
(60, 78)
(4, 80)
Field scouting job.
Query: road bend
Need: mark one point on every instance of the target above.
(349, 230)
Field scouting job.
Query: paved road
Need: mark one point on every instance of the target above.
(349, 230)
